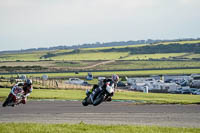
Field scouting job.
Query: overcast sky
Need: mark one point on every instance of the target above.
(46, 23)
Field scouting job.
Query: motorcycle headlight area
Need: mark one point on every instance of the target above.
(110, 89)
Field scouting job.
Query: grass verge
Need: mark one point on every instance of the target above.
(139, 97)
(86, 128)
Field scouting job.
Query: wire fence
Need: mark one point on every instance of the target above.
(56, 84)
(39, 83)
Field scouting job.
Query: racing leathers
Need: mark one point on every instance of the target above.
(101, 86)
(27, 90)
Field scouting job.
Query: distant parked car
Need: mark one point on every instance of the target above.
(100, 80)
(89, 76)
(21, 78)
(178, 91)
(196, 92)
(195, 81)
(76, 72)
(44, 77)
(75, 81)
(85, 83)
(186, 91)
(121, 84)
(193, 90)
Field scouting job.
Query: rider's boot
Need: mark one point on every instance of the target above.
(109, 99)
(88, 92)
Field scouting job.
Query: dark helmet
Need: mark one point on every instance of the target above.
(29, 82)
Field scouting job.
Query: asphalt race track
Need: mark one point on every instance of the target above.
(106, 113)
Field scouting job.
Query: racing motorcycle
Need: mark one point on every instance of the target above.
(99, 95)
(15, 96)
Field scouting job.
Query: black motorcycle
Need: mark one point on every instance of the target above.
(99, 94)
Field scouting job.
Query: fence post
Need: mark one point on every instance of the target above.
(56, 84)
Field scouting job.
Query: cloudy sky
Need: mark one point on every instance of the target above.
(46, 23)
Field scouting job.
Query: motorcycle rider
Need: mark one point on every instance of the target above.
(27, 87)
(102, 85)
(115, 79)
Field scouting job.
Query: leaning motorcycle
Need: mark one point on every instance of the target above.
(97, 97)
(15, 97)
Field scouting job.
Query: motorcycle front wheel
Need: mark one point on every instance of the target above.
(84, 102)
(8, 100)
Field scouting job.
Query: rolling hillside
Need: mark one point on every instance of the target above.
(184, 50)
(170, 55)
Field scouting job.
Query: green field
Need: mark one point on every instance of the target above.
(123, 56)
(139, 97)
(108, 74)
(22, 56)
(103, 48)
(35, 56)
(180, 42)
(92, 56)
(153, 56)
(93, 53)
(117, 65)
(193, 56)
(120, 56)
(74, 64)
(86, 128)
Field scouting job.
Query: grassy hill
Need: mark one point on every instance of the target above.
(183, 49)
(178, 55)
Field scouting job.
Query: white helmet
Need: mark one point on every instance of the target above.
(115, 78)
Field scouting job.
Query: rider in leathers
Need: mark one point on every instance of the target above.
(102, 85)
(27, 87)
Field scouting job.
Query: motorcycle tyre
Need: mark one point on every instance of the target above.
(8, 100)
(84, 102)
(99, 99)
